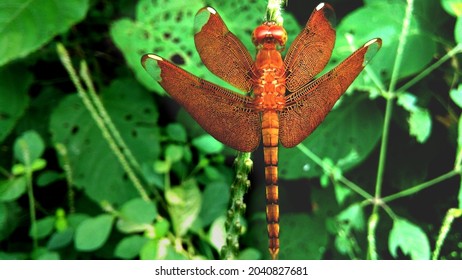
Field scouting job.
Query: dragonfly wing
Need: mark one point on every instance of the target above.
(307, 107)
(221, 51)
(224, 114)
(311, 49)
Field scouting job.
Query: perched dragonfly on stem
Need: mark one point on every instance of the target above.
(285, 103)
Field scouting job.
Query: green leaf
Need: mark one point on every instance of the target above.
(355, 125)
(174, 153)
(217, 233)
(92, 233)
(15, 81)
(10, 216)
(341, 193)
(249, 254)
(149, 250)
(353, 216)
(453, 7)
(13, 188)
(410, 238)
(130, 247)
(139, 211)
(161, 228)
(28, 147)
(176, 132)
(60, 239)
(458, 30)
(207, 144)
(28, 25)
(48, 177)
(456, 95)
(384, 19)
(44, 227)
(420, 124)
(215, 200)
(184, 204)
(134, 114)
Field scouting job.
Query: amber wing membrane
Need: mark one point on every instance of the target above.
(307, 107)
(311, 49)
(221, 51)
(224, 114)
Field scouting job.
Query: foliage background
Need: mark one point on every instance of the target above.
(380, 178)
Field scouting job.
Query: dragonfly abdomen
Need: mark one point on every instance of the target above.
(270, 133)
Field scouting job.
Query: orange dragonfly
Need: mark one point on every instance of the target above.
(285, 102)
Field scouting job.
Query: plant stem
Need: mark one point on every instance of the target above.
(62, 151)
(457, 49)
(444, 230)
(328, 169)
(420, 187)
(64, 56)
(373, 219)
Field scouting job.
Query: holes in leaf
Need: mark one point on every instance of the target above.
(134, 133)
(128, 117)
(147, 111)
(167, 35)
(177, 59)
(75, 129)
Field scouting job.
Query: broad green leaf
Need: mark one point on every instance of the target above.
(165, 28)
(13, 188)
(207, 144)
(15, 81)
(456, 95)
(160, 250)
(453, 7)
(60, 239)
(354, 126)
(149, 250)
(420, 124)
(94, 165)
(353, 216)
(139, 211)
(28, 147)
(249, 254)
(26, 25)
(161, 228)
(130, 247)
(44, 227)
(48, 177)
(384, 20)
(341, 193)
(44, 254)
(407, 101)
(410, 238)
(215, 199)
(10, 216)
(184, 204)
(174, 153)
(176, 132)
(92, 233)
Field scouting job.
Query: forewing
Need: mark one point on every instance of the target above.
(224, 114)
(311, 49)
(307, 107)
(221, 51)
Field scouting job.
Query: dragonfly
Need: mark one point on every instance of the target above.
(285, 102)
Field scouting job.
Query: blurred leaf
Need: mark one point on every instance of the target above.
(215, 200)
(459, 197)
(129, 247)
(10, 217)
(44, 227)
(15, 81)
(217, 233)
(176, 132)
(356, 125)
(60, 239)
(27, 25)
(29, 145)
(184, 204)
(410, 238)
(341, 193)
(420, 124)
(162, 166)
(48, 177)
(249, 254)
(207, 144)
(139, 211)
(149, 250)
(456, 95)
(384, 20)
(458, 30)
(161, 228)
(353, 216)
(453, 7)
(459, 137)
(13, 188)
(174, 153)
(165, 28)
(92, 233)
(134, 114)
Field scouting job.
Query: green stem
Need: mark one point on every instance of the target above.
(328, 169)
(420, 187)
(65, 59)
(237, 208)
(444, 230)
(62, 151)
(457, 49)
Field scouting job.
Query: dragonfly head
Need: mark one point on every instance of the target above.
(269, 33)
